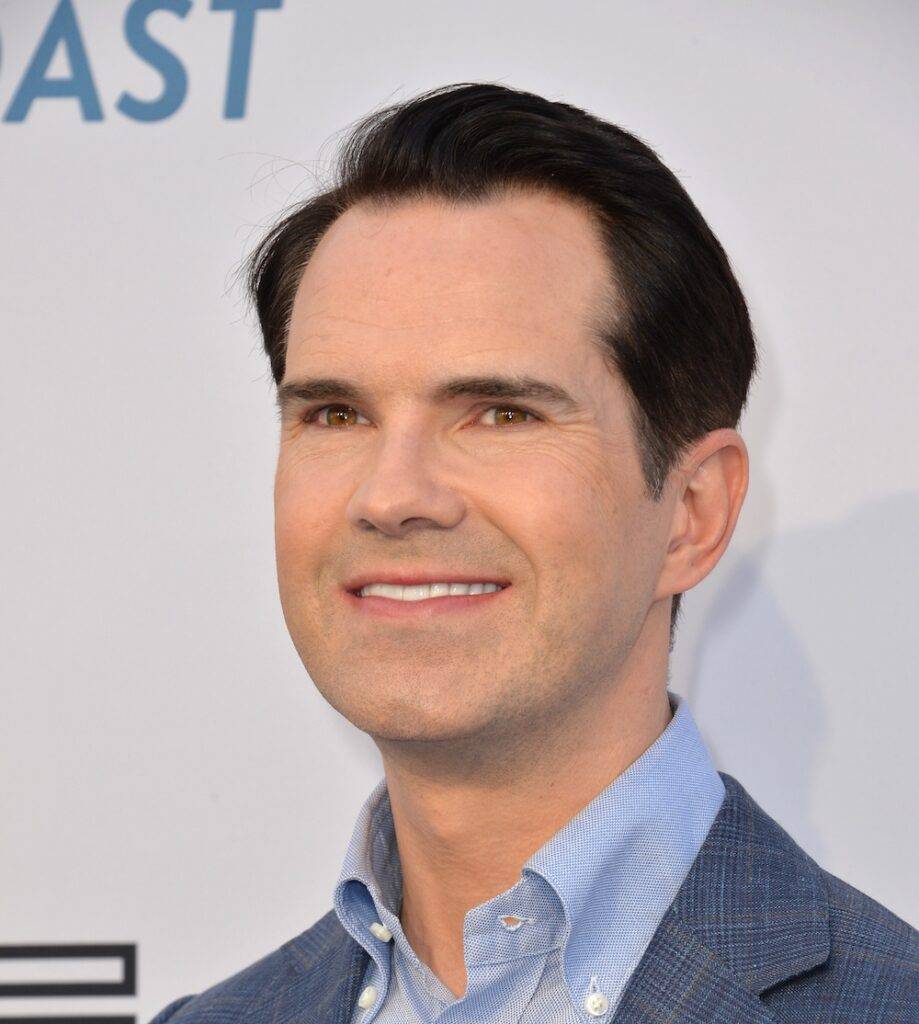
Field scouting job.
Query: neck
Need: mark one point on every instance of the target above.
(463, 837)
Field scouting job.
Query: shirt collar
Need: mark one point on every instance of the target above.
(617, 864)
(613, 869)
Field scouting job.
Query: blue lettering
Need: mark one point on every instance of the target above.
(175, 79)
(241, 49)
(62, 28)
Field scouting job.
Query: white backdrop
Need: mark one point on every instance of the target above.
(170, 777)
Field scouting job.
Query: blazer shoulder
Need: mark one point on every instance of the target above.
(872, 970)
(863, 928)
(255, 988)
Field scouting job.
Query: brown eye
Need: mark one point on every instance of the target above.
(513, 410)
(338, 415)
(344, 415)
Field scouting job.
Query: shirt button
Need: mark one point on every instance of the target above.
(367, 997)
(381, 931)
(596, 1004)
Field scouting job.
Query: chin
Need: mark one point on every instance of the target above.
(399, 722)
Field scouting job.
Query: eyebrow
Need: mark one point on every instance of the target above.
(514, 387)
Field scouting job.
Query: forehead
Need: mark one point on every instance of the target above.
(428, 282)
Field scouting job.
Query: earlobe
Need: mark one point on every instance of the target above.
(714, 481)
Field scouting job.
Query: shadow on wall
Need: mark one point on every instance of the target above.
(809, 614)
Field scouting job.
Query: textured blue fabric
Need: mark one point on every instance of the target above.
(758, 933)
(591, 898)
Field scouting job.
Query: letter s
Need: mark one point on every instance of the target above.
(175, 80)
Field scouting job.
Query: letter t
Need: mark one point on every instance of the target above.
(241, 49)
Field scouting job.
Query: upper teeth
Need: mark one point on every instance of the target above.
(422, 591)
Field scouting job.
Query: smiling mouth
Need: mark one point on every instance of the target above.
(420, 602)
(425, 591)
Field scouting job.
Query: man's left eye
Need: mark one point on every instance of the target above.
(511, 409)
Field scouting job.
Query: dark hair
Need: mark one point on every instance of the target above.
(683, 342)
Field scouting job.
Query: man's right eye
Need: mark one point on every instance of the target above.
(313, 415)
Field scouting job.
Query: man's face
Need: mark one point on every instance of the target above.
(553, 502)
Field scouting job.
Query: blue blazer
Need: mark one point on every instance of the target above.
(758, 933)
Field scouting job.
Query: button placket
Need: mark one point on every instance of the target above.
(370, 994)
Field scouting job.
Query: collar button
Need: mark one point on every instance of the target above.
(596, 1004)
(367, 997)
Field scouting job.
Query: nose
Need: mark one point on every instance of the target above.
(403, 488)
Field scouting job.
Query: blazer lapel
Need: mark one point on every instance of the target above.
(751, 913)
(681, 980)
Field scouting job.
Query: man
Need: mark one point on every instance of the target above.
(511, 357)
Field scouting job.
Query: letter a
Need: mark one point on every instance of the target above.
(62, 28)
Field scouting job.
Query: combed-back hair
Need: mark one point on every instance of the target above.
(679, 332)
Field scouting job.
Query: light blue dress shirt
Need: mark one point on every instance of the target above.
(560, 944)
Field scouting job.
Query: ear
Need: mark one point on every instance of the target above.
(712, 482)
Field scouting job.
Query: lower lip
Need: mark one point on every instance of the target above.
(388, 607)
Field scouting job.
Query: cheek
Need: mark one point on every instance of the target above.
(302, 518)
(291, 519)
(573, 497)
(566, 530)
(581, 517)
